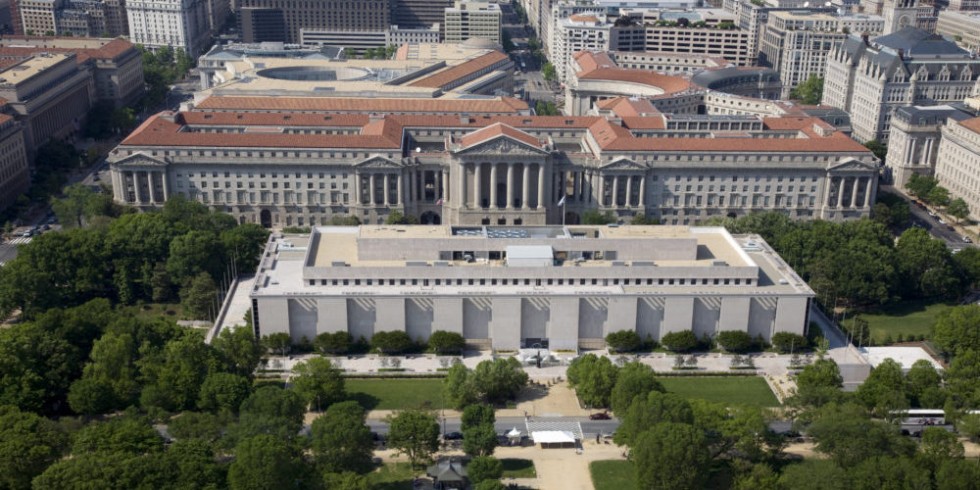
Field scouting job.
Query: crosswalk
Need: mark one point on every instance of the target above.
(21, 240)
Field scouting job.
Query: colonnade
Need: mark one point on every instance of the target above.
(853, 184)
(145, 183)
(510, 172)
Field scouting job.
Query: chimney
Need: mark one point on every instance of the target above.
(864, 37)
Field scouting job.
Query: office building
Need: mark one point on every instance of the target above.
(259, 25)
(555, 287)
(899, 14)
(960, 26)
(323, 19)
(587, 32)
(420, 14)
(796, 44)
(472, 19)
(178, 24)
(708, 32)
(15, 176)
(872, 77)
(914, 141)
(79, 18)
(957, 165)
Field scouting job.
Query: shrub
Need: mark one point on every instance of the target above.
(735, 341)
(680, 341)
(623, 341)
(443, 342)
(394, 342)
(785, 342)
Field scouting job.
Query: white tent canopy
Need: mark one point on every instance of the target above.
(553, 437)
(514, 433)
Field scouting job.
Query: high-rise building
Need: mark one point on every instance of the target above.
(258, 25)
(15, 177)
(473, 19)
(328, 16)
(871, 77)
(416, 14)
(961, 26)
(179, 24)
(899, 14)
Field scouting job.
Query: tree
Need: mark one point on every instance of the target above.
(223, 392)
(28, 445)
(476, 415)
(593, 378)
(207, 427)
(279, 343)
(735, 341)
(393, 342)
(818, 383)
(683, 341)
(443, 342)
(920, 186)
(923, 385)
(194, 464)
(198, 299)
(480, 440)
(670, 456)
(500, 379)
(109, 380)
(623, 341)
(398, 218)
(644, 413)
(955, 329)
(125, 434)
(271, 410)
(341, 440)
(925, 265)
(787, 342)
(483, 468)
(634, 380)
(239, 349)
(957, 475)
(938, 447)
(961, 380)
(335, 343)
(593, 217)
(346, 481)
(938, 196)
(879, 149)
(319, 382)
(173, 379)
(36, 368)
(809, 92)
(548, 72)
(958, 209)
(414, 433)
(459, 387)
(968, 263)
(80, 205)
(490, 485)
(814, 474)
(263, 462)
(884, 391)
(848, 436)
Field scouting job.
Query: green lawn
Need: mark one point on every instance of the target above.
(741, 390)
(906, 318)
(396, 394)
(518, 468)
(612, 475)
(393, 476)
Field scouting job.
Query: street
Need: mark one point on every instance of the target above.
(920, 217)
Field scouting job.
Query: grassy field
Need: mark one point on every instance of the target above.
(518, 468)
(393, 476)
(747, 390)
(396, 394)
(612, 475)
(907, 318)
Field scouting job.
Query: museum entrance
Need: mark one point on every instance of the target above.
(265, 218)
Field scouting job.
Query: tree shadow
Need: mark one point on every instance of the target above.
(533, 391)
(369, 402)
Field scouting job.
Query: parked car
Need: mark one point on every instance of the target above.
(27, 234)
(600, 416)
(454, 436)
(967, 239)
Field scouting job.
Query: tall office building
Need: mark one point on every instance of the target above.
(328, 16)
(175, 23)
(258, 25)
(414, 14)
(471, 19)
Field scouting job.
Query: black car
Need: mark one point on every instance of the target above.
(600, 416)
(454, 436)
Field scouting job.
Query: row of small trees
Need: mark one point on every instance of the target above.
(388, 343)
(927, 189)
(734, 341)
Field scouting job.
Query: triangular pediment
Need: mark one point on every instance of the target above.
(378, 162)
(623, 164)
(501, 145)
(140, 159)
(852, 164)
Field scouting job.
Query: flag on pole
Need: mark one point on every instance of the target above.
(439, 202)
(562, 201)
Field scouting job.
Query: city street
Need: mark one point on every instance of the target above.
(921, 217)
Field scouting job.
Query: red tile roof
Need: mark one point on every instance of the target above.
(445, 77)
(495, 130)
(972, 124)
(108, 51)
(669, 84)
(502, 105)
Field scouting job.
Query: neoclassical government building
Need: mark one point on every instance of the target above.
(300, 161)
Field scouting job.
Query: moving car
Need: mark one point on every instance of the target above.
(600, 416)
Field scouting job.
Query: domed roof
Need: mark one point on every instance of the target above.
(480, 43)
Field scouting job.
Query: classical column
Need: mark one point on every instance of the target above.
(540, 186)
(165, 181)
(526, 187)
(387, 189)
(510, 186)
(477, 184)
(462, 184)
(643, 190)
(854, 192)
(358, 196)
(411, 185)
(493, 185)
(840, 193)
(590, 188)
(629, 191)
(149, 186)
(912, 159)
(373, 184)
(400, 199)
(576, 181)
(136, 187)
(615, 191)
(445, 185)
(867, 192)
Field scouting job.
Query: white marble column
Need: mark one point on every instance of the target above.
(493, 185)
(510, 186)
(867, 192)
(840, 192)
(400, 189)
(854, 192)
(373, 184)
(629, 191)
(912, 158)
(526, 187)
(136, 187)
(358, 194)
(590, 188)
(411, 185)
(462, 184)
(541, 196)
(643, 190)
(477, 184)
(386, 182)
(615, 191)
(166, 184)
(445, 186)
